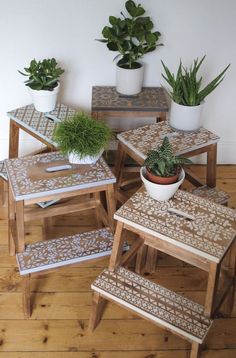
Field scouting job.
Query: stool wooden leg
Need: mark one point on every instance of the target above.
(20, 226)
(151, 260)
(195, 350)
(117, 247)
(11, 223)
(228, 303)
(47, 227)
(5, 191)
(213, 278)
(111, 204)
(120, 160)
(211, 166)
(99, 221)
(1, 192)
(141, 259)
(26, 296)
(98, 305)
(14, 139)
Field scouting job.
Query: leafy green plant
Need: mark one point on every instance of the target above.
(162, 161)
(43, 75)
(82, 135)
(131, 36)
(186, 87)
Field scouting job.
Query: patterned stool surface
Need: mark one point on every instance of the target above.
(68, 250)
(41, 124)
(213, 194)
(151, 99)
(157, 303)
(148, 137)
(188, 221)
(3, 171)
(29, 177)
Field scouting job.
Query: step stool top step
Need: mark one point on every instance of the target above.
(143, 139)
(3, 171)
(67, 250)
(216, 195)
(186, 221)
(42, 124)
(30, 180)
(162, 306)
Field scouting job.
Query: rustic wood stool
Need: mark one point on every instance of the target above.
(137, 142)
(150, 301)
(50, 254)
(36, 178)
(189, 228)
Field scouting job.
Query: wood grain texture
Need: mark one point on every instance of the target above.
(62, 303)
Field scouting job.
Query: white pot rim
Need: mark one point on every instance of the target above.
(131, 69)
(183, 105)
(181, 178)
(45, 92)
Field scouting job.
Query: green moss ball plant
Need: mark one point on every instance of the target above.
(82, 138)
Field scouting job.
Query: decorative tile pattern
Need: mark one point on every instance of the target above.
(151, 99)
(3, 171)
(65, 251)
(156, 302)
(148, 137)
(41, 124)
(29, 178)
(201, 227)
(213, 194)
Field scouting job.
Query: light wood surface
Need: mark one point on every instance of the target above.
(58, 327)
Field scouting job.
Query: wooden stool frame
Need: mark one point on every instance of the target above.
(19, 214)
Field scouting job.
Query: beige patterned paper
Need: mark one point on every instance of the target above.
(213, 194)
(204, 228)
(48, 254)
(148, 137)
(29, 179)
(154, 301)
(41, 124)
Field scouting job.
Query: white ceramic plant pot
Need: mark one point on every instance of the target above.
(129, 81)
(185, 118)
(161, 192)
(75, 158)
(45, 101)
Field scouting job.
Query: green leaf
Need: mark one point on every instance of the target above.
(131, 7)
(113, 20)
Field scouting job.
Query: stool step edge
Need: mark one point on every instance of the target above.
(158, 320)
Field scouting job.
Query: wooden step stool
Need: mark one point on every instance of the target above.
(50, 254)
(218, 196)
(155, 303)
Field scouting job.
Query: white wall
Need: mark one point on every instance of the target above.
(66, 29)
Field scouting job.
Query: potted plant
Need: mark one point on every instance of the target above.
(43, 83)
(188, 96)
(82, 138)
(132, 37)
(162, 173)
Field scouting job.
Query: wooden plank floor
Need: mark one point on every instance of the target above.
(62, 301)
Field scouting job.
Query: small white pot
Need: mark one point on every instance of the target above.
(44, 101)
(185, 118)
(129, 81)
(75, 158)
(161, 192)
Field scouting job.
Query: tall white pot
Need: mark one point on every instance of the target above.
(185, 118)
(45, 101)
(129, 81)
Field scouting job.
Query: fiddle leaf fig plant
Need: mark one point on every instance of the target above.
(162, 161)
(42, 75)
(132, 36)
(186, 85)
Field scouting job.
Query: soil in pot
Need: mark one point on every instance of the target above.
(162, 180)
